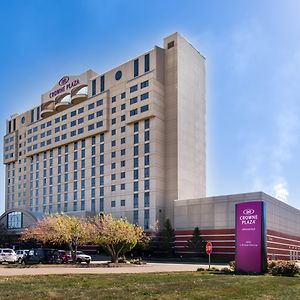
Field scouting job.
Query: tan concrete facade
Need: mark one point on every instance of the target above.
(129, 141)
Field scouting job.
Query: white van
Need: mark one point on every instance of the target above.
(8, 255)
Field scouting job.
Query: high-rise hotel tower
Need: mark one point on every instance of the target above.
(128, 142)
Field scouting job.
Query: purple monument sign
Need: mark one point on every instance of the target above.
(250, 237)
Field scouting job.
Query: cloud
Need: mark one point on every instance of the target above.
(281, 192)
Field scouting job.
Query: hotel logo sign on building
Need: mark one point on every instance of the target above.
(65, 86)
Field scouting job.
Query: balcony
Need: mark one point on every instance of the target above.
(47, 110)
(63, 103)
(79, 95)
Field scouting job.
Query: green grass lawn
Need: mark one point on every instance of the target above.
(188, 285)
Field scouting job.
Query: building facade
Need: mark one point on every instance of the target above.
(129, 141)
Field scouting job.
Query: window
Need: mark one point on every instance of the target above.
(113, 165)
(123, 163)
(171, 45)
(113, 176)
(147, 160)
(147, 62)
(99, 124)
(80, 130)
(144, 84)
(73, 113)
(80, 110)
(99, 113)
(73, 123)
(64, 117)
(43, 126)
(57, 138)
(146, 219)
(63, 127)
(136, 174)
(113, 154)
(135, 200)
(123, 95)
(113, 143)
(91, 106)
(147, 172)
(136, 162)
(136, 68)
(113, 132)
(123, 106)
(136, 139)
(14, 220)
(123, 151)
(99, 102)
(135, 186)
(101, 204)
(57, 120)
(133, 88)
(102, 82)
(122, 202)
(134, 100)
(113, 110)
(146, 199)
(147, 184)
(113, 188)
(136, 150)
(144, 108)
(144, 96)
(113, 121)
(147, 136)
(133, 112)
(147, 148)
(123, 140)
(91, 127)
(73, 133)
(123, 175)
(63, 137)
(91, 116)
(94, 87)
(49, 123)
(123, 129)
(57, 129)
(113, 99)
(136, 127)
(147, 124)
(113, 203)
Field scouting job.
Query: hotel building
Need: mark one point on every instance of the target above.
(129, 141)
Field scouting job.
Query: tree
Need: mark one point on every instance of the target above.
(166, 239)
(60, 229)
(196, 243)
(116, 236)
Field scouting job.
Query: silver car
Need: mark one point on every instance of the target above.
(21, 254)
(8, 255)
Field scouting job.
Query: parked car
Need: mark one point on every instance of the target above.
(21, 254)
(8, 255)
(37, 256)
(60, 257)
(80, 257)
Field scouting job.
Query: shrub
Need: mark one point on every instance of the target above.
(284, 268)
(227, 271)
(232, 265)
(200, 269)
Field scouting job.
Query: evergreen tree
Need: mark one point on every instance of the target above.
(196, 243)
(167, 239)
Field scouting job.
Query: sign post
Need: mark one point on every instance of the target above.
(208, 249)
(250, 237)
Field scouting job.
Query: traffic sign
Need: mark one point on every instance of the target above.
(209, 248)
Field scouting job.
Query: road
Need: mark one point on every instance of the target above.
(66, 269)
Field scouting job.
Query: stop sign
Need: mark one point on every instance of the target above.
(209, 248)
